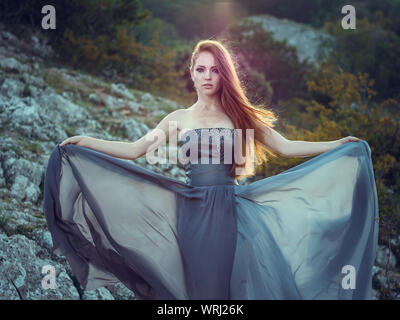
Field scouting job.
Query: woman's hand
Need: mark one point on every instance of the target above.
(78, 140)
(348, 139)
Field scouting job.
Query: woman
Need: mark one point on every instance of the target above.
(307, 233)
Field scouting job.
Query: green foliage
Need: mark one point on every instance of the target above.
(156, 27)
(380, 50)
(34, 147)
(385, 13)
(151, 68)
(91, 17)
(69, 131)
(4, 220)
(196, 18)
(97, 36)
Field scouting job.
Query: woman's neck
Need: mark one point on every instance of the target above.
(208, 104)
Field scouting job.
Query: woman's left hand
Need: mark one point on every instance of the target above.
(349, 139)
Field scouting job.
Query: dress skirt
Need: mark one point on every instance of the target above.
(310, 232)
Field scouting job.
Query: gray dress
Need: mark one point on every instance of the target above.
(310, 232)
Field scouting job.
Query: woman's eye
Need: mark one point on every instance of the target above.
(201, 70)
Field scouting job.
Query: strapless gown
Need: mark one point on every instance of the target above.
(310, 232)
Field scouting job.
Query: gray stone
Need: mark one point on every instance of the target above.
(121, 292)
(11, 64)
(12, 87)
(94, 98)
(2, 179)
(122, 90)
(385, 257)
(134, 129)
(133, 106)
(97, 294)
(307, 40)
(21, 272)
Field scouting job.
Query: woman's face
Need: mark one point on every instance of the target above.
(205, 72)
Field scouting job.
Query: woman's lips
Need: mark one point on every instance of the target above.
(207, 85)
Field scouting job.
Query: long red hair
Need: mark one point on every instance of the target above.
(235, 103)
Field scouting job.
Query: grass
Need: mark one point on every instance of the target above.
(4, 222)
(4, 126)
(34, 147)
(53, 81)
(37, 215)
(27, 230)
(69, 130)
(149, 123)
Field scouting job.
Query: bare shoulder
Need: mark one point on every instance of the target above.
(176, 116)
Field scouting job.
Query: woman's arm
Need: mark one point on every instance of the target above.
(131, 150)
(302, 149)
(311, 148)
(298, 149)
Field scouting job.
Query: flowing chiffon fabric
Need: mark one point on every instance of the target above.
(289, 236)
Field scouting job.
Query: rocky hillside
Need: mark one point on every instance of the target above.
(308, 41)
(40, 106)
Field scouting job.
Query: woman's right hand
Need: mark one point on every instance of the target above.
(78, 140)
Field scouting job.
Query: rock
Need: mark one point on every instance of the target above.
(97, 294)
(121, 292)
(375, 295)
(123, 91)
(307, 40)
(395, 242)
(12, 65)
(41, 46)
(16, 221)
(2, 179)
(23, 189)
(385, 256)
(21, 272)
(46, 240)
(158, 113)
(149, 101)
(12, 87)
(134, 129)
(376, 269)
(175, 171)
(133, 106)
(32, 91)
(62, 111)
(14, 168)
(113, 103)
(33, 80)
(93, 97)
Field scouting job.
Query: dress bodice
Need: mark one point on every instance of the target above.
(207, 155)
